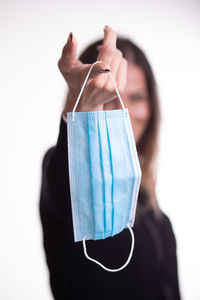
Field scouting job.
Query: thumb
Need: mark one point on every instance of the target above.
(69, 52)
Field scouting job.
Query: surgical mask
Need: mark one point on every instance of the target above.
(104, 173)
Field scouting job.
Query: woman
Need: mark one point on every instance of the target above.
(152, 271)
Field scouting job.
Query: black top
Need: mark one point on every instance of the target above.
(152, 271)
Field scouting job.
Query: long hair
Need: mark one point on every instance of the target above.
(147, 146)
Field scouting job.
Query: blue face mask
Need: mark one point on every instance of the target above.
(104, 173)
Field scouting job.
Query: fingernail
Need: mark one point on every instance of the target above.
(107, 27)
(70, 37)
(105, 70)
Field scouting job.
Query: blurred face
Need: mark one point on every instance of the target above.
(135, 98)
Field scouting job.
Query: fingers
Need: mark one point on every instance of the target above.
(121, 76)
(99, 68)
(106, 91)
(99, 87)
(69, 53)
(107, 50)
(110, 38)
(115, 63)
(111, 55)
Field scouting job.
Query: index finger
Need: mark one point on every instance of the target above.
(110, 38)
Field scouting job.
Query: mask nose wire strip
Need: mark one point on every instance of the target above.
(101, 265)
(83, 86)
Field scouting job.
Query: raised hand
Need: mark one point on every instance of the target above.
(99, 89)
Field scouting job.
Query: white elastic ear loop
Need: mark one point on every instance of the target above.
(84, 83)
(101, 265)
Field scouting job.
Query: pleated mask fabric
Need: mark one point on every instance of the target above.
(104, 171)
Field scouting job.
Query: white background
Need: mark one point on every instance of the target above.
(31, 98)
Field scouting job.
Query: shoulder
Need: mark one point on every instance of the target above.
(159, 225)
(59, 150)
(47, 158)
(48, 154)
(164, 222)
(165, 229)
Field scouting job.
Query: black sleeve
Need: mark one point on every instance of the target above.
(169, 271)
(55, 213)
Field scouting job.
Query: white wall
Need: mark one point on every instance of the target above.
(31, 98)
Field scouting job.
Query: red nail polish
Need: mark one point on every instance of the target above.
(105, 71)
(70, 37)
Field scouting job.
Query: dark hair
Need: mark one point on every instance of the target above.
(147, 146)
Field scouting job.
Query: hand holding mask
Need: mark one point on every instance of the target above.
(104, 172)
(99, 88)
